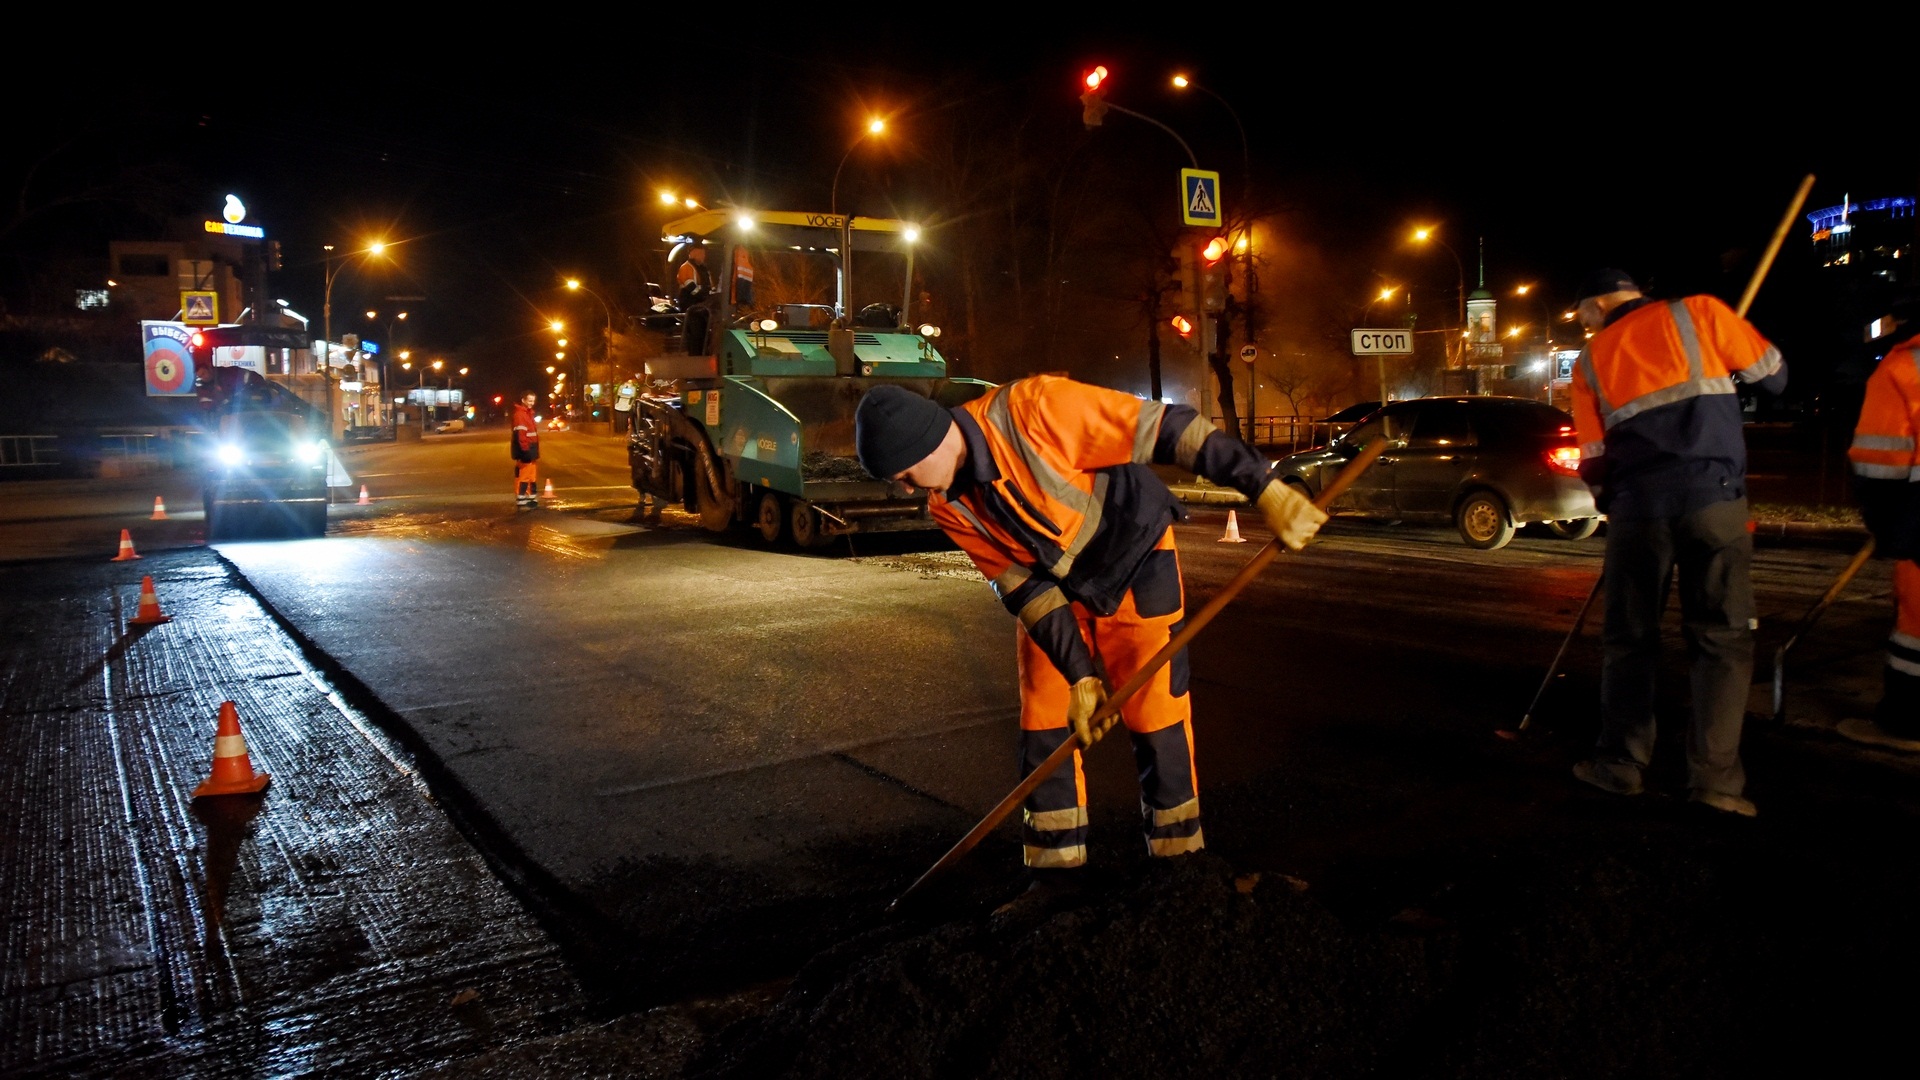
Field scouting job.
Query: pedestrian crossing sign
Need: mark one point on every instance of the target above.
(199, 308)
(1200, 197)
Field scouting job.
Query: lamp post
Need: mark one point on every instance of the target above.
(875, 126)
(1460, 282)
(326, 318)
(1245, 243)
(575, 285)
(1380, 362)
(389, 343)
(1546, 332)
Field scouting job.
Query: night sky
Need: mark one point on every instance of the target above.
(508, 162)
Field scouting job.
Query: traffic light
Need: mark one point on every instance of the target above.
(497, 399)
(1093, 100)
(1183, 326)
(1213, 274)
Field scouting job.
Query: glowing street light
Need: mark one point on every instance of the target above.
(875, 126)
(1422, 235)
(332, 272)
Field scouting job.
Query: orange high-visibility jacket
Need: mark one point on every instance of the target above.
(1655, 407)
(1885, 454)
(526, 434)
(1056, 504)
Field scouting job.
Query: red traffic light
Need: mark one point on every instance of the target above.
(1095, 77)
(497, 399)
(1182, 326)
(1215, 250)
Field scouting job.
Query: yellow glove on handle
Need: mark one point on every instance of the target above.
(1291, 515)
(1088, 695)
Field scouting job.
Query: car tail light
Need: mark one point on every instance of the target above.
(1565, 459)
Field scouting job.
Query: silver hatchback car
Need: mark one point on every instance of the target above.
(1487, 464)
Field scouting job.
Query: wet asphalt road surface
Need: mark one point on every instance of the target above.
(696, 763)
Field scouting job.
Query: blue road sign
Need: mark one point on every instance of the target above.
(1200, 197)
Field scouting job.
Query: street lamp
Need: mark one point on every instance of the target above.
(1380, 362)
(1546, 330)
(1423, 235)
(1245, 244)
(326, 317)
(389, 343)
(875, 126)
(574, 284)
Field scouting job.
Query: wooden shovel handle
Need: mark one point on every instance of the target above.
(1108, 714)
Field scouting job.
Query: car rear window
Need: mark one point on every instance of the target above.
(1524, 421)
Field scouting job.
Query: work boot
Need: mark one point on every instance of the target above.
(1723, 802)
(1862, 730)
(1616, 778)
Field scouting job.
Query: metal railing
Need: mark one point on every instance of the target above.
(1286, 434)
(28, 451)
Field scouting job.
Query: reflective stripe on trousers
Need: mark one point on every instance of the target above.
(1157, 717)
(1899, 708)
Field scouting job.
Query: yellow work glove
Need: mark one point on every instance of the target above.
(1087, 696)
(1291, 515)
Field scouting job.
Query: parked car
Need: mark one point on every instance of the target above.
(445, 426)
(1488, 464)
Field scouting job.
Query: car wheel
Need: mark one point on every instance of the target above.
(808, 527)
(1574, 529)
(771, 519)
(1484, 522)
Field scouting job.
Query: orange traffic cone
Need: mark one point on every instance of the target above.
(549, 492)
(363, 495)
(159, 509)
(1233, 530)
(126, 547)
(149, 613)
(232, 769)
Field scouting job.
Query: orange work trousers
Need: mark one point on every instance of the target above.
(1158, 718)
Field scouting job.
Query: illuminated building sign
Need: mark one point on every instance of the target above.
(233, 213)
(1834, 218)
(253, 231)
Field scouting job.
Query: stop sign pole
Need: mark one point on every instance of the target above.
(1247, 353)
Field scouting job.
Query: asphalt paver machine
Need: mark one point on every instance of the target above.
(766, 366)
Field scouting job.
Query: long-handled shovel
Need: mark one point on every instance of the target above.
(1746, 301)
(1108, 714)
(1806, 623)
(1578, 621)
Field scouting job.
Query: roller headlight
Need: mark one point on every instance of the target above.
(230, 454)
(313, 453)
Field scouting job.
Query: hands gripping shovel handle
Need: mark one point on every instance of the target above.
(1108, 714)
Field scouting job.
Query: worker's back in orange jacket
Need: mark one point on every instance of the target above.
(1885, 454)
(1654, 402)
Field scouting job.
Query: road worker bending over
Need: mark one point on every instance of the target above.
(1044, 483)
(1886, 481)
(1662, 447)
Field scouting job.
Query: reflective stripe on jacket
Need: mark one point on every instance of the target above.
(1884, 446)
(1057, 505)
(526, 433)
(1885, 454)
(1655, 407)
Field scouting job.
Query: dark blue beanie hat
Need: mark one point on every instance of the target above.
(895, 428)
